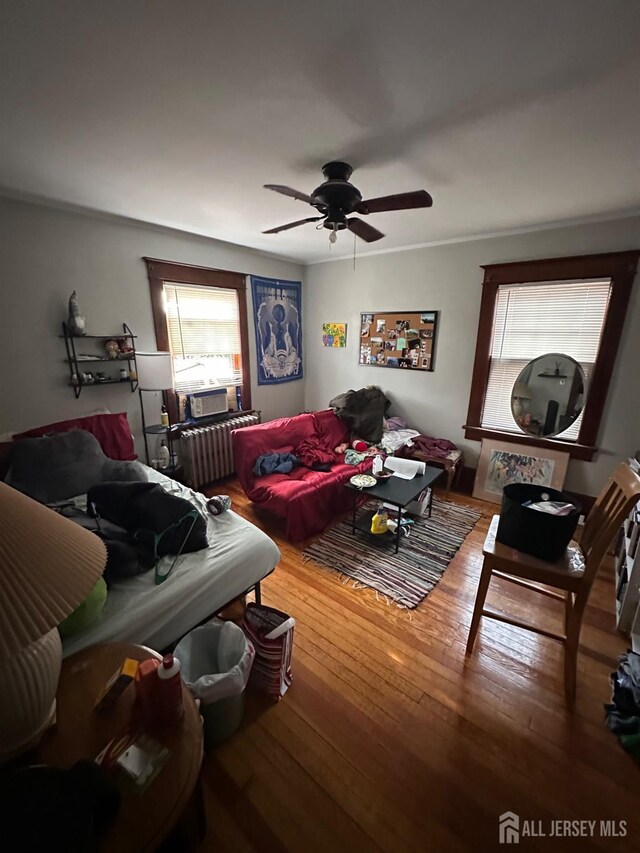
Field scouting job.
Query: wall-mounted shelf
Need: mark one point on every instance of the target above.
(552, 376)
(100, 337)
(75, 362)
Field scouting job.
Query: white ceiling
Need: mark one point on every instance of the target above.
(512, 114)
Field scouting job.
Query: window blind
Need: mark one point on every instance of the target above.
(533, 319)
(204, 336)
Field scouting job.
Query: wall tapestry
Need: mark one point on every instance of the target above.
(399, 339)
(334, 334)
(277, 314)
(502, 463)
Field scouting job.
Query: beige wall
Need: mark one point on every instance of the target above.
(46, 253)
(448, 279)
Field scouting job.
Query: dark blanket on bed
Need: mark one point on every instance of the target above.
(125, 557)
(146, 510)
(363, 411)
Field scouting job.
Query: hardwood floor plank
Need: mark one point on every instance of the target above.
(392, 739)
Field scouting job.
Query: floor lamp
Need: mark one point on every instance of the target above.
(155, 373)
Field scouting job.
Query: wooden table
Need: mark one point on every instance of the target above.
(144, 820)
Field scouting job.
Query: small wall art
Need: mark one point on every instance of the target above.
(400, 339)
(334, 334)
(502, 463)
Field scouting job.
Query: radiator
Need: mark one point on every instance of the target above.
(206, 452)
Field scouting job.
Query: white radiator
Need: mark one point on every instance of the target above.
(206, 452)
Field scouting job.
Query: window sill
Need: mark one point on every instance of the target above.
(576, 451)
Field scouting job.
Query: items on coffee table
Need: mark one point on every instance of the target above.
(398, 492)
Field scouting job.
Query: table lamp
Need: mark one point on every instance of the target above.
(48, 566)
(155, 373)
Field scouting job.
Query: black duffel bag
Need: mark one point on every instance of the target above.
(160, 522)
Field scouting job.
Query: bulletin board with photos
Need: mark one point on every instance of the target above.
(400, 339)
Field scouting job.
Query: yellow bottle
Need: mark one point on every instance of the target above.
(379, 521)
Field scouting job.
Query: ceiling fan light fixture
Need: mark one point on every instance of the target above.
(336, 199)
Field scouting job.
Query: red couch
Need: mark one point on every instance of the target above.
(307, 499)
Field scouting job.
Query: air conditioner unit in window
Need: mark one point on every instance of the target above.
(204, 404)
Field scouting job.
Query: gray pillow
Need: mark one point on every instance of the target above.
(60, 466)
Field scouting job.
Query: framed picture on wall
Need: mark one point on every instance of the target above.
(404, 340)
(502, 463)
(334, 334)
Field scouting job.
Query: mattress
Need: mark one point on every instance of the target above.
(139, 611)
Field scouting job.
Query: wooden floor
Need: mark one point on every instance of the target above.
(390, 739)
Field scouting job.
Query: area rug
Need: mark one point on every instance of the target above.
(407, 577)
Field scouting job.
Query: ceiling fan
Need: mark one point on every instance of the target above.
(336, 198)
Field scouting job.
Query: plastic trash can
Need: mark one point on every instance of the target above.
(216, 660)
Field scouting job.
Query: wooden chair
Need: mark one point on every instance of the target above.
(573, 574)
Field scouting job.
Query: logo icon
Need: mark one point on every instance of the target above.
(509, 827)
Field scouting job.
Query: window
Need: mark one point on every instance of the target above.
(531, 319)
(204, 336)
(575, 306)
(200, 317)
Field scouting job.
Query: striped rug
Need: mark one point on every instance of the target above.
(408, 576)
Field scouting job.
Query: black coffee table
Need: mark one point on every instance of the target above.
(394, 491)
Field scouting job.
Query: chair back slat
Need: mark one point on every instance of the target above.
(613, 505)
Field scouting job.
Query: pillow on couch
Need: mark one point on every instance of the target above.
(61, 466)
(112, 431)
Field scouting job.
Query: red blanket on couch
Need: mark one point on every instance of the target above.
(308, 500)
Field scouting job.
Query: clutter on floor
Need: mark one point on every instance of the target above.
(623, 712)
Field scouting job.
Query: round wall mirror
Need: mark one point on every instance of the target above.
(548, 395)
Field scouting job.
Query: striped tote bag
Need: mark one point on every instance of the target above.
(271, 632)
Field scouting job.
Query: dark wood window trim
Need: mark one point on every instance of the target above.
(620, 267)
(161, 271)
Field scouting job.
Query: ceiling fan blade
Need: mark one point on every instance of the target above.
(293, 225)
(363, 230)
(279, 188)
(401, 201)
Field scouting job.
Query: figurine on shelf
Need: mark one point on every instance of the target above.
(113, 349)
(77, 323)
(125, 346)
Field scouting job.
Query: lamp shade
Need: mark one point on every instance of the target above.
(155, 371)
(48, 565)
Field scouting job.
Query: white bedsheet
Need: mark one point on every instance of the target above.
(138, 611)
